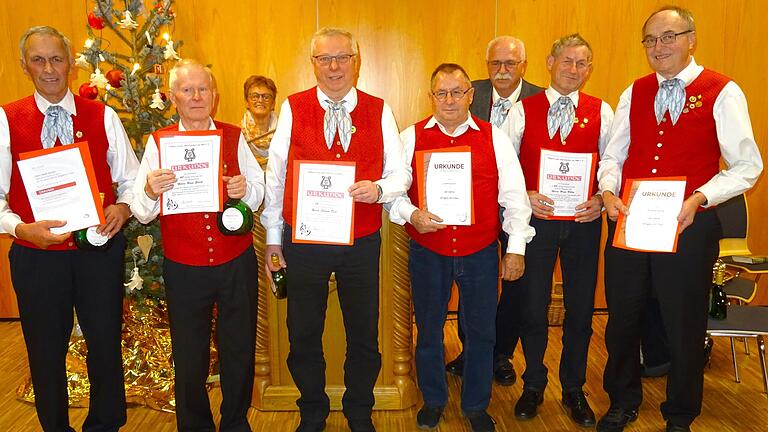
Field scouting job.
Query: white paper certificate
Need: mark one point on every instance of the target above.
(654, 205)
(445, 186)
(566, 178)
(61, 185)
(195, 158)
(323, 210)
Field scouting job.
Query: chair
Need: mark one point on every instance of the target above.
(734, 218)
(744, 321)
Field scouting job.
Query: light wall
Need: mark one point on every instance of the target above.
(401, 41)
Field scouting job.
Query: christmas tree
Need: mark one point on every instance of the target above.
(126, 54)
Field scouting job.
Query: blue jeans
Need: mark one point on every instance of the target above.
(476, 275)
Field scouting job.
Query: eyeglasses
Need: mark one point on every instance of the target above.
(580, 65)
(325, 60)
(666, 38)
(255, 97)
(509, 64)
(456, 94)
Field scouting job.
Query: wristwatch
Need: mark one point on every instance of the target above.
(381, 192)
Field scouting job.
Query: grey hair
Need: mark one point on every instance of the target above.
(571, 40)
(173, 75)
(43, 30)
(506, 39)
(683, 13)
(329, 32)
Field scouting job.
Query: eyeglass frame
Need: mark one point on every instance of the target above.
(509, 64)
(647, 40)
(266, 97)
(341, 59)
(451, 92)
(580, 66)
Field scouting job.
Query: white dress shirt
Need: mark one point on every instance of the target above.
(734, 133)
(121, 159)
(513, 97)
(514, 125)
(512, 195)
(395, 176)
(146, 209)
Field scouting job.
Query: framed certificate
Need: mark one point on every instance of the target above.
(567, 179)
(61, 185)
(323, 210)
(651, 225)
(444, 181)
(195, 157)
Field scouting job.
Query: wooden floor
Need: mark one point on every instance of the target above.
(728, 406)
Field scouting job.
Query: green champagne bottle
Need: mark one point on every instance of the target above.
(718, 302)
(90, 239)
(236, 219)
(279, 281)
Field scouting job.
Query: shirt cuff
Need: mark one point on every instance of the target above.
(275, 236)
(516, 245)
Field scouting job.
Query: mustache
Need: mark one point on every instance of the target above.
(502, 75)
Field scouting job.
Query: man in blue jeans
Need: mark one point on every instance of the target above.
(463, 253)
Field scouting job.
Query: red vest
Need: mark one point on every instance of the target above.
(690, 148)
(194, 238)
(536, 136)
(366, 148)
(462, 240)
(25, 122)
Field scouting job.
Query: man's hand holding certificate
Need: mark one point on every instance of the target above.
(445, 184)
(651, 221)
(565, 181)
(61, 186)
(190, 177)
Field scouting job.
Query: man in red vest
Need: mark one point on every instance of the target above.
(463, 253)
(50, 275)
(678, 121)
(204, 267)
(333, 122)
(562, 119)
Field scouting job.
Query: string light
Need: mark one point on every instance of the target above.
(88, 43)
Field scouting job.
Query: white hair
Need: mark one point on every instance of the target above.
(173, 75)
(506, 39)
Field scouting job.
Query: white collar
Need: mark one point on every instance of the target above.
(350, 98)
(553, 95)
(460, 129)
(67, 102)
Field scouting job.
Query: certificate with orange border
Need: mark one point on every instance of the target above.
(444, 181)
(61, 185)
(567, 179)
(196, 159)
(323, 210)
(651, 225)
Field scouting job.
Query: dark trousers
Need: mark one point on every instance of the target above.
(578, 245)
(507, 315)
(681, 283)
(476, 275)
(191, 292)
(49, 285)
(653, 338)
(357, 283)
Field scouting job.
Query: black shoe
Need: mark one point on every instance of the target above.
(576, 404)
(708, 351)
(456, 366)
(526, 406)
(671, 427)
(311, 426)
(655, 371)
(428, 417)
(480, 421)
(361, 425)
(615, 419)
(503, 372)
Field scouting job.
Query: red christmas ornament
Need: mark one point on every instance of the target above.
(163, 97)
(88, 91)
(95, 22)
(159, 9)
(114, 77)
